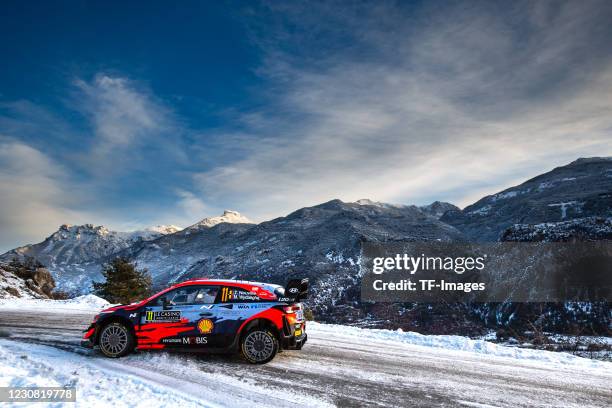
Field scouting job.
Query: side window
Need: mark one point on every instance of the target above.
(237, 295)
(207, 294)
(182, 296)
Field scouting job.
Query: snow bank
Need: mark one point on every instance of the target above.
(453, 343)
(31, 365)
(80, 304)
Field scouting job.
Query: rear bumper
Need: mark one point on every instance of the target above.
(294, 335)
(294, 343)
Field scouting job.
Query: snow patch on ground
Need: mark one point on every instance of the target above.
(484, 210)
(86, 303)
(30, 365)
(175, 381)
(456, 343)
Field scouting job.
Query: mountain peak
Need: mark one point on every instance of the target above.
(228, 216)
(367, 201)
(164, 229)
(438, 208)
(66, 230)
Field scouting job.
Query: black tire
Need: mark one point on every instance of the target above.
(259, 345)
(116, 340)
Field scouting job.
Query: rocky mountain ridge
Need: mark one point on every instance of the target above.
(580, 189)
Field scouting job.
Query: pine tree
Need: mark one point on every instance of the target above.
(124, 283)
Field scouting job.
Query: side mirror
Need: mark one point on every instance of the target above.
(164, 302)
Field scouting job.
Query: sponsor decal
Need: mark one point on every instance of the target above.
(163, 316)
(229, 294)
(185, 340)
(293, 290)
(207, 307)
(205, 326)
(252, 306)
(260, 306)
(195, 340)
(132, 315)
(171, 340)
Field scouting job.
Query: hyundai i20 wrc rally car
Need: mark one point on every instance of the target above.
(207, 315)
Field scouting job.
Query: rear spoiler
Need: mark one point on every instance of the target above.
(295, 291)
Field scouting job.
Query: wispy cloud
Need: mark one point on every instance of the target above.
(34, 198)
(127, 120)
(446, 103)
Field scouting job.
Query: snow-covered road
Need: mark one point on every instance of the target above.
(339, 366)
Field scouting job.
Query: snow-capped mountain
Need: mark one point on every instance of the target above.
(74, 244)
(439, 208)
(320, 242)
(228, 216)
(150, 233)
(307, 238)
(436, 209)
(74, 253)
(580, 189)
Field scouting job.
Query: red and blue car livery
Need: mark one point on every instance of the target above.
(207, 315)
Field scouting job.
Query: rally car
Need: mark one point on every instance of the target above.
(209, 315)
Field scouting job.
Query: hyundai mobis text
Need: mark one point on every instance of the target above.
(206, 315)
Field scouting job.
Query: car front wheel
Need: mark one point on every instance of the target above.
(259, 346)
(116, 340)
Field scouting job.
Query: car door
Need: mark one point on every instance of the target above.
(179, 317)
(201, 317)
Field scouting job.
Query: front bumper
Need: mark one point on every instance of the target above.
(87, 344)
(89, 337)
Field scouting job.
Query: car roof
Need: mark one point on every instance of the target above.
(264, 290)
(232, 282)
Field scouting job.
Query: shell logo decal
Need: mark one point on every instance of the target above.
(206, 326)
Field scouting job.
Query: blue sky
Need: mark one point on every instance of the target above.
(135, 113)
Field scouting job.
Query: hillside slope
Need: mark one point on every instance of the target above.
(580, 189)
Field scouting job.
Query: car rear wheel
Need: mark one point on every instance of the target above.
(116, 340)
(259, 346)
